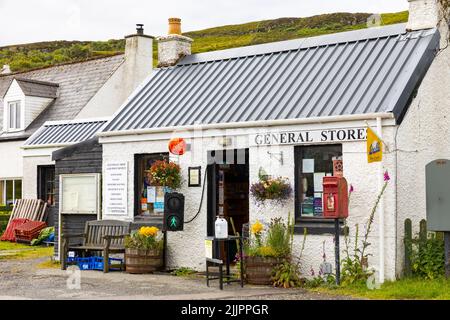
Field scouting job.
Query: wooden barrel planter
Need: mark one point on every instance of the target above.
(258, 270)
(139, 261)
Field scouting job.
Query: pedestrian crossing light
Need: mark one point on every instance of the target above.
(174, 212)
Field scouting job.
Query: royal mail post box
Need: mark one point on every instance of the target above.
(335, 198)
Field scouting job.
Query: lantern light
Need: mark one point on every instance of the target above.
(177, 146)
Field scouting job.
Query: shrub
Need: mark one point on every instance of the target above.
(428, 257)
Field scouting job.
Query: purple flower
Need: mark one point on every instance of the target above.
(387, 177)
(312, 272)
(351, 189)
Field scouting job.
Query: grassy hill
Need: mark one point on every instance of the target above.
(37, 55)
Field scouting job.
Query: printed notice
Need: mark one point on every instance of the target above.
(308, 165)
(116, 189)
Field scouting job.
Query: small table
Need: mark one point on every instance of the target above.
(220, 263)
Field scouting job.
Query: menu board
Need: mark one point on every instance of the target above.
(116, 188)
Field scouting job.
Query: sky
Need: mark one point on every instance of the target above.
(26, 21)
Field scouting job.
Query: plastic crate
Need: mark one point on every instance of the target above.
(84, 263)
(114, 264)
(29, 231)
(9, 234)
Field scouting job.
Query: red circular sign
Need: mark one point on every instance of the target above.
(178, 146)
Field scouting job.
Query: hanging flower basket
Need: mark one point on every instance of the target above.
(165, 174)
(275, 189)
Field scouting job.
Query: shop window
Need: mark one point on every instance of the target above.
(80, 194)
(10, 191)
(312, 163)
(149, 199)
(46, 184)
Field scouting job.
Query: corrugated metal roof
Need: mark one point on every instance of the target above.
(62, 133)
(367, 71)
(36, 88)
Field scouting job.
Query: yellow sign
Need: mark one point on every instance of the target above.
(374, 147)
(209, 249)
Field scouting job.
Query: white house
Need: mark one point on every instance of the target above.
(292, 108)
(64, 95)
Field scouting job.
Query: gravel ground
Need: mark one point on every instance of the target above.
(21, 279)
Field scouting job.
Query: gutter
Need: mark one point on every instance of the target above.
(250, 124)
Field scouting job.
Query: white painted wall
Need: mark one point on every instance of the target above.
(187, 248)
(137, 66)
(31, 160)
(14, 93)
(424, 136)
(33, 108)
(11, 159)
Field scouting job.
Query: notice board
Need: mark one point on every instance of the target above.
(116, 189)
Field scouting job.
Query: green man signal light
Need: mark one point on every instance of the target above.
(173, 212)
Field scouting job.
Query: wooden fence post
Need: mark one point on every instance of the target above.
(408, 247)
(423, 234)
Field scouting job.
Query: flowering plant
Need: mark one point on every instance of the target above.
(165, 174)
(146, 238)
(278, 189)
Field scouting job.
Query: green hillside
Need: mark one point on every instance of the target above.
(43, 54)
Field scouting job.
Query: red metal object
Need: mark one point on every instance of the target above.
(335, 198)
(29, 231)
(9, 234)
(178, 146)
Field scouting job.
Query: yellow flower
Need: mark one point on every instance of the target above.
(148, 231)
(257, 228)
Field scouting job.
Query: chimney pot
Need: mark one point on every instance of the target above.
(140, 28)
(175, 26)
(6, 69)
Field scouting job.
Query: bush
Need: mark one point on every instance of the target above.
(428, 257)
(147, 238)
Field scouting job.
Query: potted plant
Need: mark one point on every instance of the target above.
(165, 174)
(266, 250)
(268, 188)
(144, 251)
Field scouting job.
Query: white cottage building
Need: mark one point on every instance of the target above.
(76, 98)
(291, 108)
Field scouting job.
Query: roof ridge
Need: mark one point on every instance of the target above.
(296, 44)
(52, 84)
(62, 64)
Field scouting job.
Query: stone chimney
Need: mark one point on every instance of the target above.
(5, 70)
(138, 58)
(427, 14)
(174, 46)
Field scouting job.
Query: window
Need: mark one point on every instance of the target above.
(46, 184)
(149, 199)
(312, 163)
(80, 194)
(10, 191)
(14, 115)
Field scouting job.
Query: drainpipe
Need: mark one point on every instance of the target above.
(381, 206)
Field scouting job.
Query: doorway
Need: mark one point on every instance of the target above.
(228, 190)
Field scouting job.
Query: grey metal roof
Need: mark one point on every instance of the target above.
(78, 83)
(61, 133)
(36, 88)
(367, 71)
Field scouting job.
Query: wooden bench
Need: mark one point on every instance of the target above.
(106, 236)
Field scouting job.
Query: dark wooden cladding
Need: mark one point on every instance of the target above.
(85, 157)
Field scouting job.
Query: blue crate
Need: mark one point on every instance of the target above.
(97, 264)
(84, 263)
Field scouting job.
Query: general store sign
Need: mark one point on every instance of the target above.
(116, 187)
(308, 137)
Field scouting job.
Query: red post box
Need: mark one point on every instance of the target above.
(335, 198)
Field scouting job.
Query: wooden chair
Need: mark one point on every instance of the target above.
(105, 236)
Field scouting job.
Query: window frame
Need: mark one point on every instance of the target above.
(314, 225)
(42, 183)
(3, 201)
(14, 108)
(97, 177)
